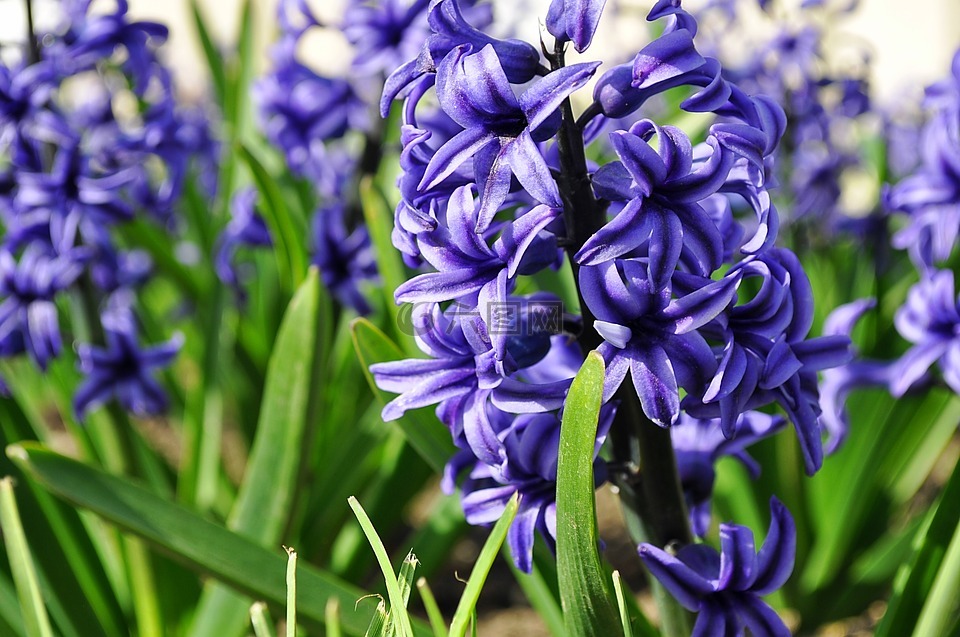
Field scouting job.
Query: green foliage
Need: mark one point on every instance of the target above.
(587, 605)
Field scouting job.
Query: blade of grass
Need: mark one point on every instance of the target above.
(398, 616)
(622, 605)
(202, 545)
(260, 618)
(915, 579)
(333, 618)
(378, 622)
(941, 605)
(212, 55)
(584, 595)
(292, 592)
(288, 237)
(35, 619)
(433, 611)
(405, 581)
(466, 608)
(379, 220)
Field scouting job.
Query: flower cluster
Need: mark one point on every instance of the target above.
(679, 281)
(78, 164)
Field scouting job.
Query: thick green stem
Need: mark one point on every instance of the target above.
(650, 490)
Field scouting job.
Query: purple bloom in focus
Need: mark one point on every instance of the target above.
(520, 60)
(524, 459)
(930, 319)
(653, 336)
(123, 369)
(662, 190)
(575, 21)
(699, 444)
(724, 588)
(467, 265)
(501, 130)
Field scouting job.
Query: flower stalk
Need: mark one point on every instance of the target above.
(650, 490)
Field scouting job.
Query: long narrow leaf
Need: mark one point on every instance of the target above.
(467, 607)
(201, 544)
(398, 616)
(584, 595)
(35, 618)
(915, 580)
(266, 496)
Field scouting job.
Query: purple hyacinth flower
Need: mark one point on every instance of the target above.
(575, 21)
(520, 60)
(501, 129)
(662, 190)
(123, 369)
(466, 265)
(930, 319)
(700, 443)
(653, 336)
(526, 448)
(462, 361)
(28, 312)
(724, 588)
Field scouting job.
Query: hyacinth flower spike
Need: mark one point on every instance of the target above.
(724, 588)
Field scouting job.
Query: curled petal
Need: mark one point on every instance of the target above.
(776, 557)
(665, 58)
(686, 585)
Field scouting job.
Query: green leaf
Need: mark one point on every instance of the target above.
(916, 580)
(266, 496)
(35, 618)
(433, 611)
(399, 620)
(622, 605)
(467, 607)
(288, 236)
(212, 54)
(199, 543)
(379, 219)
(584, 595)
(422, 429)
(292, 593)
